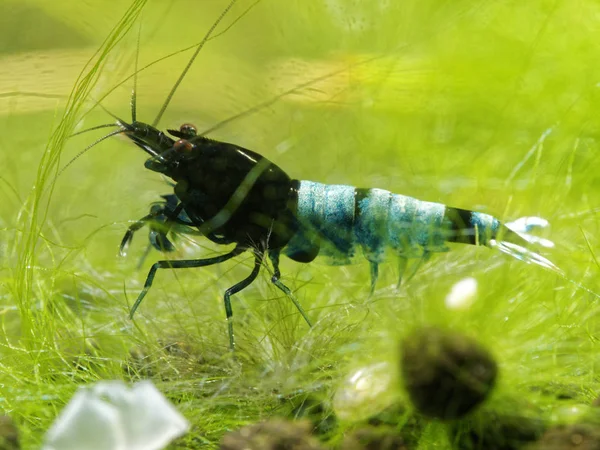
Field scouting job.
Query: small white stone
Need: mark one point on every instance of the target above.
(364, 392)
(112, 416)
(462, 295)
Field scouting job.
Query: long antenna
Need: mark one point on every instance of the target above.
(293, 90)
(190, 62)
(120, 123)
(170, 55)
(134, 91)
(97, 127)
(97, 141)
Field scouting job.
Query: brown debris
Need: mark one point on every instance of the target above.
(275, 434)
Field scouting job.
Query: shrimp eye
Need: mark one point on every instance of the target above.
(188, 130)
(183, 146)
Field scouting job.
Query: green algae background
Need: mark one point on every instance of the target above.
(488, 105)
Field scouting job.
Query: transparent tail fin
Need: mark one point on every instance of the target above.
(514, 241)
(519, 234)
(524, 226)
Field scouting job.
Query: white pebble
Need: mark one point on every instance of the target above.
(462, 295)
(112, 416)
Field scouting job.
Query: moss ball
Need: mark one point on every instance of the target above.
(445, 373)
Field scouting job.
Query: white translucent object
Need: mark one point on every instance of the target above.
(364, 392)
(462, 295)
(523, 254)
(112, 416)
(526, 225)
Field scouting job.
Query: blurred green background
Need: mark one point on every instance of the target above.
(483, 105)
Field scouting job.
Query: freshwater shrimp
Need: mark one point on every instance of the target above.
(233, 195)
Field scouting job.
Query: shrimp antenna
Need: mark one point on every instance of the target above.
(278, 97)
(97, 141)
(170, 55)
(123, 126)
(134, 91)
(97, 127)
(119, 122)
(190, 62)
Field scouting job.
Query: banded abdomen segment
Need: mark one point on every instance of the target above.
(337, 219)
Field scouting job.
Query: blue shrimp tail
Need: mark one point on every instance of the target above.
(513, 238)
(475, 228)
